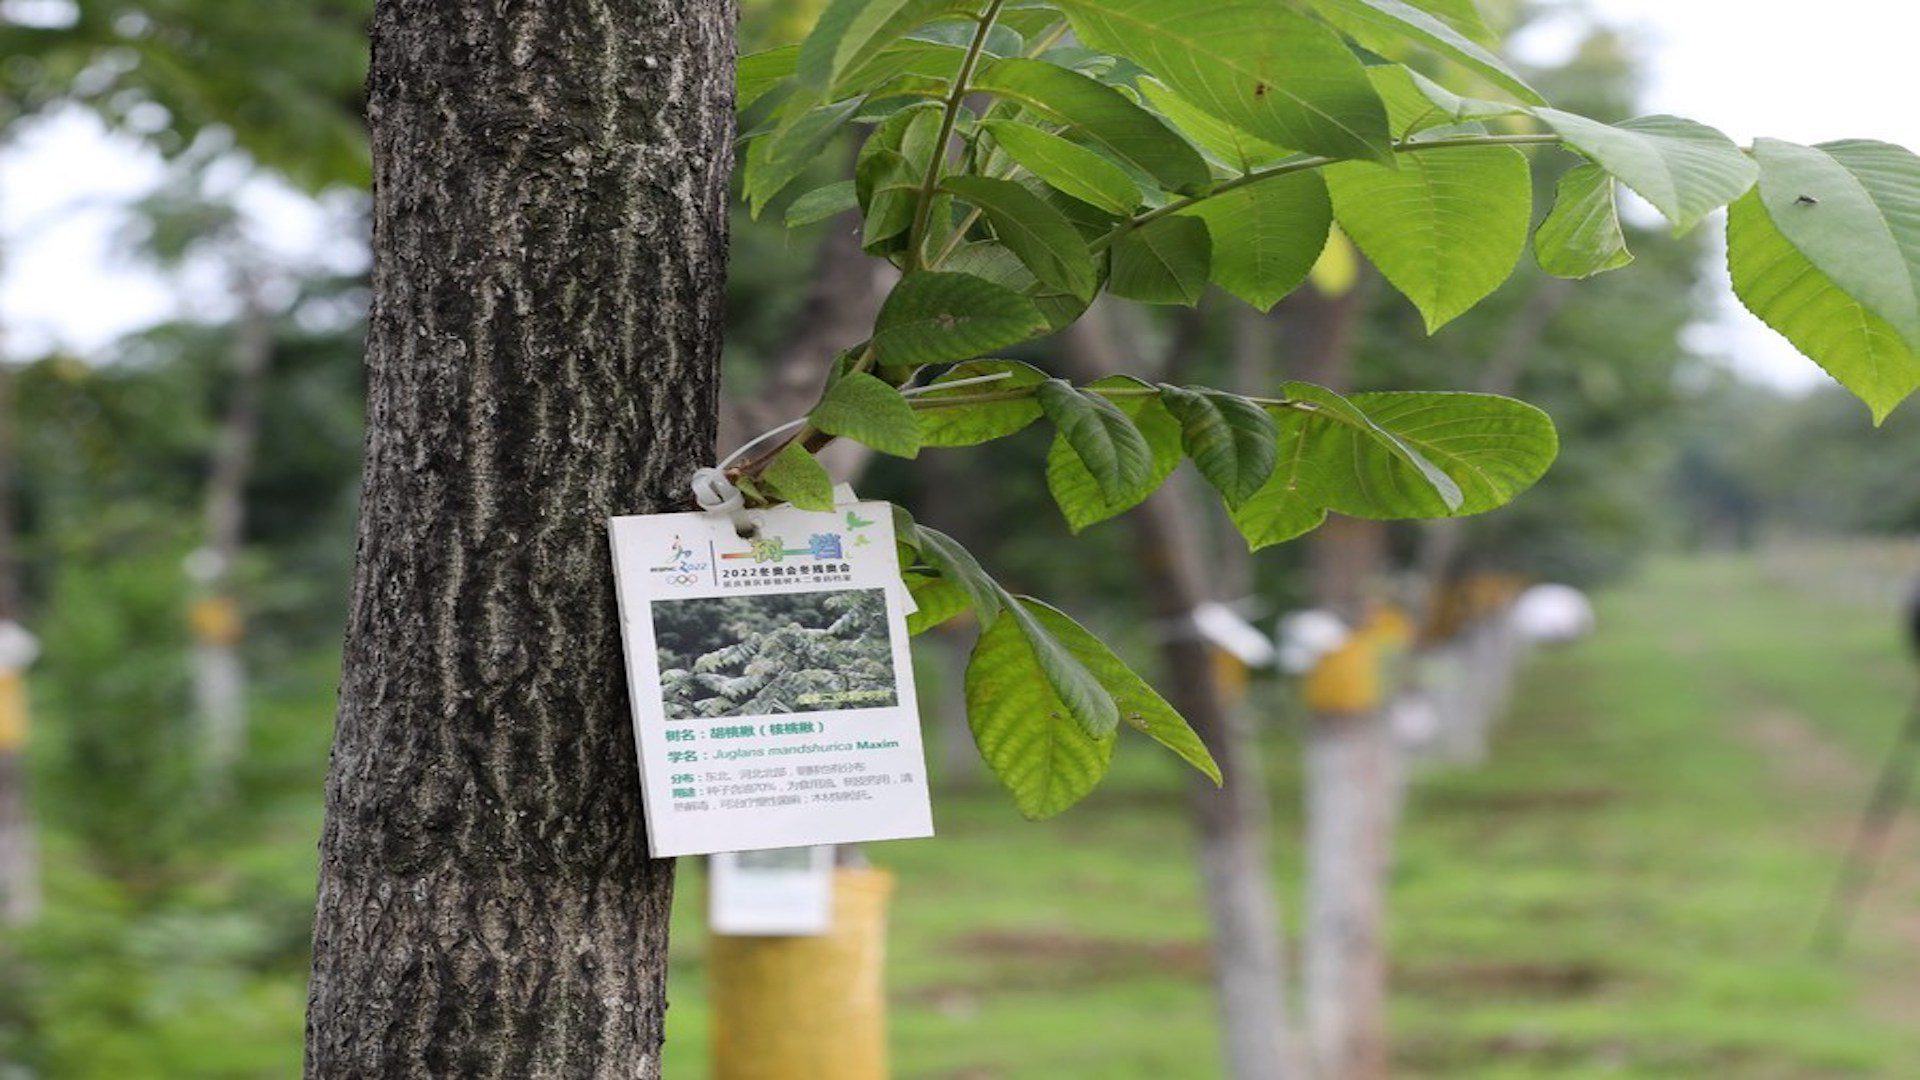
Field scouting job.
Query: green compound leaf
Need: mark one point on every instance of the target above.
(1165, 261)
(1446, 227)
(758, 73)
(868, 411)
(1040, 236)
(936, 317)
(822, 203)
(1030, 732)
(1581, 236)
(1240, 151)
(1265, 237)
(978, 422)
(1102, 437)
(1097, 114)
(1140, 706)
(775, 159)
(1416, 103)
(799, 478)
(1067, 166)
(1257, 64)
(1231, 439)
(1685, 169)
(954, 564)
(1395, 455)
(1826, 260)
(936, 599)
(1381, 24)
(851, 31)
(1074, 488)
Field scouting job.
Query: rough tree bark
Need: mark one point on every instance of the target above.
(550, 243)
(1350, 762)
(219, 677)
(1249, 965)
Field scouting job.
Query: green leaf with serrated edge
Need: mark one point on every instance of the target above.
(1785, 290)
(936, 601)
(1104, 438)
(1378, 455)
(889, 170)
(1140, 706)
(952, 562)
(992, 261)
(1230, 439)
(1239, 151)
(1068, 166)
(970, 425)
(774, 160)
(1040, 236)
(849, 31)
(1025, 730)
(1492, 448)
(1380, 24)
(1088, 702)
(1266, 236)
(1092, 112)
(1430, 479)
(1416, 103)
(1445, 228)
(822, 203)
(757, 73)
(1464, 16)
(1685, 169)
(1581, 237)
(799, 478)
(1074, 489)
(868, 411)
(1165, 261)
(1853, 209)
(1257, 64)
(935, 317)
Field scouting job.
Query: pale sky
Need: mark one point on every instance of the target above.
(1807, 73)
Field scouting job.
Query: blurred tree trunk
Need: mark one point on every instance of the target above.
(1350, 761)
(1232, 820)
(219, 677)
(550, 246)
(19, 858)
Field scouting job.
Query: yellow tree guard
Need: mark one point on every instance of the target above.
(13, 711)
(807, 1008)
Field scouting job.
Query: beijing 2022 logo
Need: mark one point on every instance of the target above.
(681, 568)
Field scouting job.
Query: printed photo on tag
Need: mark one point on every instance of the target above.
(772, 689)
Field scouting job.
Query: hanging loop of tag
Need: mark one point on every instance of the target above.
(717, 495)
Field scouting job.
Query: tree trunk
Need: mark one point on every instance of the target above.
(1350, 761)
(219, 677)
(550, 246)
(1243, 909)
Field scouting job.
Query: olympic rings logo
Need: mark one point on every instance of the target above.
(682, 579)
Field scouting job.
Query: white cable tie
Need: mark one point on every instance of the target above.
(717, 495)
(957, 383)
(758, 439)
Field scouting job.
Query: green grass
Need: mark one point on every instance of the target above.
(1626, 889)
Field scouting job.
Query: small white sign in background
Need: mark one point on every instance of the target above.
(773, 699)
(786, 892)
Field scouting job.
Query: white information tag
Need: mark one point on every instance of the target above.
(773, 701)
(786, 892)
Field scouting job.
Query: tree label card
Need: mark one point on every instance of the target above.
(786, 892)
(772, 689)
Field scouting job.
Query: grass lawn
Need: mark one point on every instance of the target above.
(1627, 889)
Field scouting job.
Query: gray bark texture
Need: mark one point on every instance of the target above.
(550, 244)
